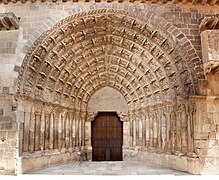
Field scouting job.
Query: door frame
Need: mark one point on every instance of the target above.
(91, 126)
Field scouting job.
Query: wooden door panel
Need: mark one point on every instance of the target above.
(107, 137)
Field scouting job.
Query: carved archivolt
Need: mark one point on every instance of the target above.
(88, 51)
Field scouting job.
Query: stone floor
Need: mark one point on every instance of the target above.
(108, 168)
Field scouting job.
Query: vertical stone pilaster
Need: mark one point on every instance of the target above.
(26, 131)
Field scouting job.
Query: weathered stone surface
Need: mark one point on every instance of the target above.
(150, 54)
(8, 21)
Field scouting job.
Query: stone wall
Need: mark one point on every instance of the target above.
(8, 136)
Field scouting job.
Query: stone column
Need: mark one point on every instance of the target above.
(37, 131)
(42, 130)
(83, 118)
(164, 132)
(184, 130)
(178, 128)
(77, 128)
(73, 129)
(51, 131)
(126, 128)
(173, 131)
(159, 127)
(191, 116)
(131, 120)
(134, 130)
(147, 124)
(63, 130)
(137, 130)
(67, 129)
(56, 134)
(26, 129)
(32, 130)
(47, 130)
(151, 135)
(167, 114)
(89, 118)
(143, 132)
(20, 122)
(155, 130)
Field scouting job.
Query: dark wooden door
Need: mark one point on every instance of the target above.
(107, 137)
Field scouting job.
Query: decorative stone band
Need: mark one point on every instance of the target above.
(198, 2)
(209, 23)
(8, 21)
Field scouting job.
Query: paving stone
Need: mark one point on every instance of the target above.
(108, 168)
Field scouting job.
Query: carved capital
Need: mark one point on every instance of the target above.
(8, 21)
(209, 23)
(123, 116)
(211, 67)
(91, 116)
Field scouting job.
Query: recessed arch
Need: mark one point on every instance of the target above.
(68, 50)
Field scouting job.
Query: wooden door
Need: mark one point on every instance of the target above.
(107, 137)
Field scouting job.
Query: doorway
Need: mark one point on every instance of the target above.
(107, 137)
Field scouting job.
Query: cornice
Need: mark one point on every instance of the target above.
(194, 2)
